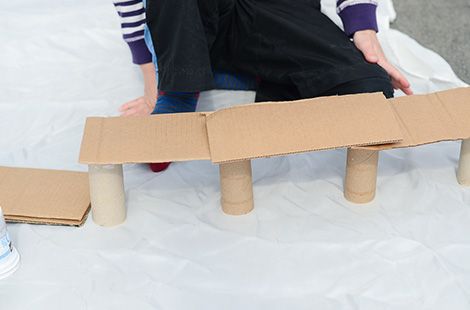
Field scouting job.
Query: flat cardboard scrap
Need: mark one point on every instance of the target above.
(242, 132)
(270, 129)
(156, 138)
(425, 119)
(40, 196)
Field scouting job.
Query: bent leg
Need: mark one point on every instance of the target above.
(180, 44)
(296, 51)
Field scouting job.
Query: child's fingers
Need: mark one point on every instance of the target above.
(137, 110)
(131, 104)
(125, 106)
(399, 81)
(130, 112)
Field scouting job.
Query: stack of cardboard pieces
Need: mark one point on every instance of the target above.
(40, 196)
(365, 124)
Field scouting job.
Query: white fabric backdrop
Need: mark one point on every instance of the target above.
(304, 247)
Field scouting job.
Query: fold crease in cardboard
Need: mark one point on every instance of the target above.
(426, 119)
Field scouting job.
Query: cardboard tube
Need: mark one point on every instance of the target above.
(108, 201)
(463, 172)
(236, 188)
(361, 175)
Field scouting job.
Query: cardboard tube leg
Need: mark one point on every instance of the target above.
(236, 187)
(463, 173)
(361, 175)
(108, 201)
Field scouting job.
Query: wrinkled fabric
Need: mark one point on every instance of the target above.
(290, 44)
(304, 247)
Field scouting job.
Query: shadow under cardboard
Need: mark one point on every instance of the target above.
(304, 187)
(326, 168)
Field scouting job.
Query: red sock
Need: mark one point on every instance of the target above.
(159, 167)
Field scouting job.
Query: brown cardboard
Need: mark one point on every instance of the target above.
(425, 119)
(270, 129)
(242, 132)
(236, 188)
(108, 199)
(157, 138)
(44, 196)
(361, 175)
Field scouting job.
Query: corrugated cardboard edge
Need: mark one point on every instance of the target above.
(462, 135)
(47, 221)
(359, 146)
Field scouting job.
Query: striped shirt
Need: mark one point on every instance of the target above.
(355, 14)
(132, 17)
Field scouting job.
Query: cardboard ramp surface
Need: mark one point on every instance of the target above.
(242, 132)
(425, 119)
(44, 196)
(156, 138)
(270, 129)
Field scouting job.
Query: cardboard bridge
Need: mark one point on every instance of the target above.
(365, 124)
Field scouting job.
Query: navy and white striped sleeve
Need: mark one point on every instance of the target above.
(357, 15)
(132, 16)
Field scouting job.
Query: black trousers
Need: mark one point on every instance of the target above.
(290, 46)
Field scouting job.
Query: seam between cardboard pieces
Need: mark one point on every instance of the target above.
(389, 143)
(388, 115)
(441, 101)
(461, 135)
(88, 134)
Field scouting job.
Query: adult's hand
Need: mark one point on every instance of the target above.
(367, 42)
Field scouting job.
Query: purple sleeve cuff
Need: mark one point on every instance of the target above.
(140, 52)
(359, 17)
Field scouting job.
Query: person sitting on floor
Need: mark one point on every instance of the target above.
(292, 49)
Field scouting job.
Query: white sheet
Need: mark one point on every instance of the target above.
(304, 246)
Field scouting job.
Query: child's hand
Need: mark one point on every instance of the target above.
(366, 41)
(144, 105)
(141, 106)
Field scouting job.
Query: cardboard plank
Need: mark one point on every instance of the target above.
(44, 196)
(270, 129)
(425, 119)
(157, 138)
